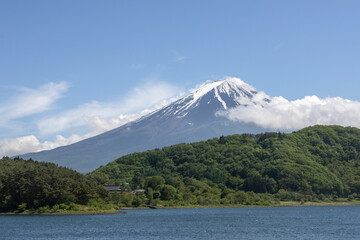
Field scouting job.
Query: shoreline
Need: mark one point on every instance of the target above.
(281, 204)
(59, 213)
(123, 209)
(316, 204)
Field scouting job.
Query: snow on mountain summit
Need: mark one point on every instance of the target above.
(221, 95)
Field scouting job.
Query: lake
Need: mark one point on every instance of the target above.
(328, 222)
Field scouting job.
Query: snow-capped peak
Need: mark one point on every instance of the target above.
(204, 89)
(235, 84)
(221, 95)
(226, 85)
(234, 88)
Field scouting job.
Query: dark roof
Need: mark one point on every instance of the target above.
(112, 187)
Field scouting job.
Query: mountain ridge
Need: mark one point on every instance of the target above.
(188, 119)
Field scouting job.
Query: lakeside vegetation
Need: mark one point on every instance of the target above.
(315, 164)
(41, 187)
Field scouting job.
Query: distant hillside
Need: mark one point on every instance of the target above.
(316, 162)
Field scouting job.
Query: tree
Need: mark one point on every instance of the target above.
(168, 192)
(155, 182)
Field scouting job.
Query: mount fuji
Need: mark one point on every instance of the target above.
(189, 119)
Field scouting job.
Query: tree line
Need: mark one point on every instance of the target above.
(28, 184)
(315, 163)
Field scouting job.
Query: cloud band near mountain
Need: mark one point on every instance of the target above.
(282, 114)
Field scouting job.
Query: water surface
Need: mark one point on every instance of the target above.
(330, 222)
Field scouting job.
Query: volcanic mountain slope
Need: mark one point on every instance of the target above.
(192, 118)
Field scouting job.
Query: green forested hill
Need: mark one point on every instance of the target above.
(28, 184)
(314, 163)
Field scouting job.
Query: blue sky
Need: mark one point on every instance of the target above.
(71, 68)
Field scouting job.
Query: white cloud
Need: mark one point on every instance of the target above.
(31, 101)
(98, 117)
(83, 121)
(178, 57)
(281, 114)
(26, 144)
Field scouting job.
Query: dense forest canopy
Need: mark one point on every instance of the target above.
(28, 184)
(315, 163)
